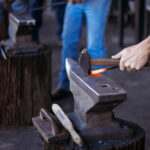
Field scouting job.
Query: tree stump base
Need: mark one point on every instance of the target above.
(25, 86)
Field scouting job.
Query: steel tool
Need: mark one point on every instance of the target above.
(49, 127)
(2, 51)
(86, 62)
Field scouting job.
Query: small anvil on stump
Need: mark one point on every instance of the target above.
(25, 77)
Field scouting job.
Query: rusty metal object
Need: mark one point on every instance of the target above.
(49, 127)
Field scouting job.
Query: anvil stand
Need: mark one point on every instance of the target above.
(25, 82)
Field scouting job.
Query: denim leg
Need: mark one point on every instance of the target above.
(70, 38)
(37, 15)
(96, 12)
(60, 11)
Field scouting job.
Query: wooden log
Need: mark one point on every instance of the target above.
(25, 87)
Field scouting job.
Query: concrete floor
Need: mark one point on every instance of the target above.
(135, 109)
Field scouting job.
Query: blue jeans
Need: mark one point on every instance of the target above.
(60, 11)
(96, 14)
(37, 15)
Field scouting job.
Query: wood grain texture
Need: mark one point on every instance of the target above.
(25, 87)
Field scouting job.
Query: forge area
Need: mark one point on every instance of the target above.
(136, 109)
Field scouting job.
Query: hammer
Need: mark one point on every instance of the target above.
(86, 62)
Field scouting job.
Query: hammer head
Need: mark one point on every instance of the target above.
(84, 62)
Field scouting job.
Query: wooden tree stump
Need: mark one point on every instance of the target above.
(25, 87)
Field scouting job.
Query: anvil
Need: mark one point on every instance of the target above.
(94, 99)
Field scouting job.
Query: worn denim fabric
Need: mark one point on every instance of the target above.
(60, 11)
(96, 14)
(37, 15)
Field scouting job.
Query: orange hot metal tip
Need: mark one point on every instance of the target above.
(99, 71)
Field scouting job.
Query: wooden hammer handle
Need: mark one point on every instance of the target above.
(108, 62)
(104, 62)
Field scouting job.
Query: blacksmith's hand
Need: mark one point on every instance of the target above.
(135, 57)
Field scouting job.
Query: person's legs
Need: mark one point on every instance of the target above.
(60, 11)
(70, 38)
(37, 15)
(96, 12)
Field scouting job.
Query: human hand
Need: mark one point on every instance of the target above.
(76, 1)
(135, 57)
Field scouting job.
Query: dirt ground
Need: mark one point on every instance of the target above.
(135, 109)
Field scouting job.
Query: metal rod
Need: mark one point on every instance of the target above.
(3, 53)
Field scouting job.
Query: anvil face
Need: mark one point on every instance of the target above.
(92, 93)
(22, 27)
